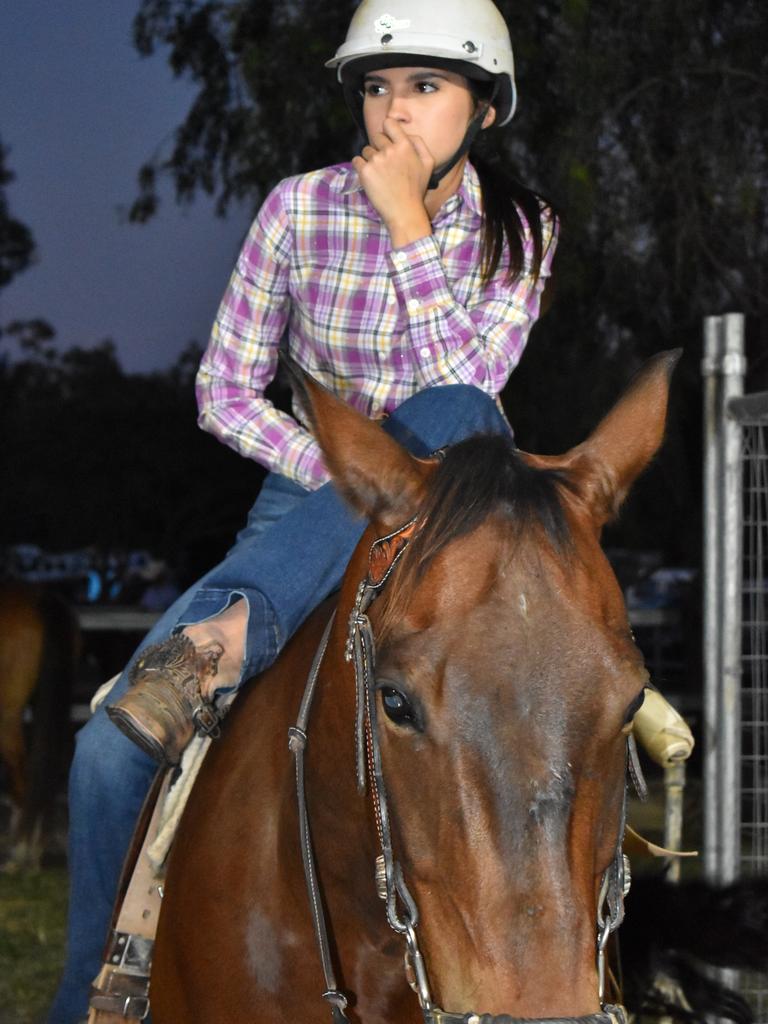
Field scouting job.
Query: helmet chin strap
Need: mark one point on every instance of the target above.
(473, 130)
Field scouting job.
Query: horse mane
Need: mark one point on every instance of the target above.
(476, 478)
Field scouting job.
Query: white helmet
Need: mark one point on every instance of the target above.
(467, 36)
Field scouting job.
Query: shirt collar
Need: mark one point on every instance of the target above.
(347, 183)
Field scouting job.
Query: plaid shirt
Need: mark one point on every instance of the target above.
(373, 324)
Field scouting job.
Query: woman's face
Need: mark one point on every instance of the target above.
(434, 104)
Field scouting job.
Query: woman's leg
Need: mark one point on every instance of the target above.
(285, 573)
(301, 560)
(246, 609)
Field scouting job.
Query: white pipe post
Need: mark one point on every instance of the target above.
(723, 371)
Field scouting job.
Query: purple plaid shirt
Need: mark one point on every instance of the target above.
(374, 324)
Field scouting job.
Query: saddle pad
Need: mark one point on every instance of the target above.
(182, 781)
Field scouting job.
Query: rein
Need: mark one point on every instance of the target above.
(401, 910)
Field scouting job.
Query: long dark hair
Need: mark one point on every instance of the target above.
(504, 200)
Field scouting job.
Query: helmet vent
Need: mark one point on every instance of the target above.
(386, 39)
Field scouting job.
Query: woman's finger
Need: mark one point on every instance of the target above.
(422, 151)
(380, 141)
(393, 132)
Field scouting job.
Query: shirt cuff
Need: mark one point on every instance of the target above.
(306, 465)
(418, 276)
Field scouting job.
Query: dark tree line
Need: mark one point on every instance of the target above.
(91, 456)
(95, 457)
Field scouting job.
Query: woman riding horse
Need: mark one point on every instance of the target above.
(407, 281)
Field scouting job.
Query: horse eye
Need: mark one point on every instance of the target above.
(397, 707)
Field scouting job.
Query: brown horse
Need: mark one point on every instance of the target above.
(39, 645)
(505, 682)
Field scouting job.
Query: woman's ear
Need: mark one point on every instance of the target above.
(489, 118)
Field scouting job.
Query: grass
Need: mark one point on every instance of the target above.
(32, 918)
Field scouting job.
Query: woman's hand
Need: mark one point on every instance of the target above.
(394, 170)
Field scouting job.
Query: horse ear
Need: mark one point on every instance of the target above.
(375, 474)
(604, 467)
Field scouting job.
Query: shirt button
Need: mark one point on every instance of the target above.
(413, 305)
(425, 352)
(400, 259)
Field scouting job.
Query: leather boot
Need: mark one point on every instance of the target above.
(165, 705)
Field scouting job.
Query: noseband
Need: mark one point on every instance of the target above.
(402, 912)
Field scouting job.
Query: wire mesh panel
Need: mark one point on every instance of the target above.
(752, 413)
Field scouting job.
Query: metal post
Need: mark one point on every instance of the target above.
(711, 589)
(674, 792)
(723, 370)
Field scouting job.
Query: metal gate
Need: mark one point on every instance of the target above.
(735, 620)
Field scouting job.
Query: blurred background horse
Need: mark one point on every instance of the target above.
(39, 649)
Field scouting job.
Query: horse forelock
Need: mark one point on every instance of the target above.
(477, 478)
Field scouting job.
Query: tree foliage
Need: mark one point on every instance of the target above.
(647, 125)
(16, 243)
(265, 108)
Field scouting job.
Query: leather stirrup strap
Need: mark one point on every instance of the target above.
(120, 992)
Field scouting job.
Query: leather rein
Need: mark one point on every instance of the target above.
(401, 910)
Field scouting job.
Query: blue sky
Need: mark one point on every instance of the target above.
(80, 111)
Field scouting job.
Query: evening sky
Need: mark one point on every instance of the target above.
(80, 111)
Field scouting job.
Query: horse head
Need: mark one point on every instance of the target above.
(506, 679)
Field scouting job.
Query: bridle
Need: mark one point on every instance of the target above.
(401, 910)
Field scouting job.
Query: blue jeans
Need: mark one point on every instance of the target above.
(290, 555)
